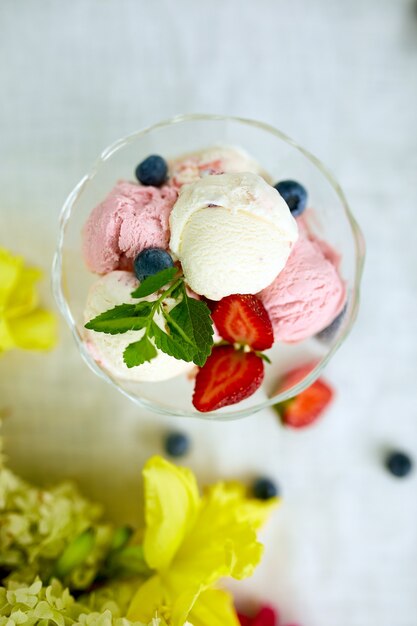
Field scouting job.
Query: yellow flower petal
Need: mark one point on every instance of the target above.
(10, 268)
(171, 505)
(147, 601)
(214, 608)
(222, 543)
(255, 511)
(192, 542)
(36, 331)
(24, 298)
(6, 339)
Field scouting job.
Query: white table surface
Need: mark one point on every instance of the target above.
(341, 78)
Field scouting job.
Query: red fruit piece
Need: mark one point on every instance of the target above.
(309, 405)
(266, 616)
(227, 377)
(243, 319)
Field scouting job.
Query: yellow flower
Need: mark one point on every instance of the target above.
(191, 542)
(22, 323)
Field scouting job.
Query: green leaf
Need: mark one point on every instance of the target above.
(121, 318)
(263, 356)
(138, 352)
(129, 560)
(121, 536)
(172, 343)
(75, 553)
(155, 282)
(193, 317)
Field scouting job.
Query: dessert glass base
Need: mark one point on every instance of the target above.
(329, 219)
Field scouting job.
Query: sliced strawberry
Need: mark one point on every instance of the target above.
(266, 616)
(227, 377)
(243, 319)
(309, 405)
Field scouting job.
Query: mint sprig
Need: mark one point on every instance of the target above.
(155, 282)
(183, 331)
(138, 352)
(122, 318)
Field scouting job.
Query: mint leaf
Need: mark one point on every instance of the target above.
(138, 352)
(193, 317)
(121, 318)
(155, 282)
(172, 343)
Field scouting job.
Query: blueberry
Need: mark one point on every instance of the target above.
(264, 489)
(294, 195)
(151, 261)
(328, 334)
(177, 444)
(399, 464)
(152, 171)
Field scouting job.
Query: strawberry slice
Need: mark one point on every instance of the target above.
(309, 405)
(227, 377)
(266, 616)
(243, 319)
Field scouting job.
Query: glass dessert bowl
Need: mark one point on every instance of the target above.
(308, 329)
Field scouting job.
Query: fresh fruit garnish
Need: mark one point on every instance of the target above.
(151, 261)
(264, 489)
(183, 330)
(243, 319)
(399, 464)
(294, 194)
(227, 377)
(177, 444)
(152, 171)
(305, 408)
(266, 616)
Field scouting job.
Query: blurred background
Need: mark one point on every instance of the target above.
(341, 79)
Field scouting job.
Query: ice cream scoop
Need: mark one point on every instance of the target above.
(130, 219)
(112, 289)
(308, 294)
(232, 232)
(214, 160)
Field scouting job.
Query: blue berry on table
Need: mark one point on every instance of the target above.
(294, 194)
(177, 444)
(152, 171)
(264, 489)
(399, 464)
(151, 261)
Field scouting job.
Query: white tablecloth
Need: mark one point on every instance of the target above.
(341, 78)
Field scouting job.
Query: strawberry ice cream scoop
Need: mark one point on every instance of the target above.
(308, 293)
(129, 220)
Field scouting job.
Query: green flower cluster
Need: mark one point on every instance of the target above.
(52, 543)
(38, 525)
(53, 604)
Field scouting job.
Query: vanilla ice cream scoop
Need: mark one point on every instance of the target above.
(232, 232)
(112, 289)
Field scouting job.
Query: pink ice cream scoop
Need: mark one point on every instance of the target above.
(130, 219)
(308, 293)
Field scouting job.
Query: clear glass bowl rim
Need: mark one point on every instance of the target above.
(64, 307)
